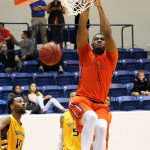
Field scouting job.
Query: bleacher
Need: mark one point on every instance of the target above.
(60, 85)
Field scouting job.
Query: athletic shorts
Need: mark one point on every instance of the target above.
(78, 105)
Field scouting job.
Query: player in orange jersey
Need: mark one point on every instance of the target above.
(97, 65)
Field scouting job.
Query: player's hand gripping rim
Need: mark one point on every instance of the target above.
(97, 3)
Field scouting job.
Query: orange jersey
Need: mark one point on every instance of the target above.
(96, 72)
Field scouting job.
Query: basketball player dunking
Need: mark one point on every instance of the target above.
(12, 132)
(96, 68)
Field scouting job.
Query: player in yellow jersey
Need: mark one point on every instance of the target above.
(70, 138)
(12, 132)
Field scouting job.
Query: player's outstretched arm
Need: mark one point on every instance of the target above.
(106, 29)
(82, 34)
(4, 121)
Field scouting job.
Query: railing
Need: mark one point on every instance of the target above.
(73, 25)
(132, 32)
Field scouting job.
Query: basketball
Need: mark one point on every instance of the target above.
(50, 54)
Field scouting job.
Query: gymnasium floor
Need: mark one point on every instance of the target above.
(128, 131)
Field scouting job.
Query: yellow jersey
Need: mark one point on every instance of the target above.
(15, 136)
(72, 138)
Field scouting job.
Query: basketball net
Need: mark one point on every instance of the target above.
(76, 7)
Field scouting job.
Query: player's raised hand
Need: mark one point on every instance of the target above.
(97, 3)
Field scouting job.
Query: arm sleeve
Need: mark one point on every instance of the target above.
(15, 41)
(12, 54)
(49, 6)
(112, 58)
(64, 8)
(32, 5)
(31, 47)
(83, 52)
(44, 4)
(8, 33)
(146, 84)
(60, 140)
(84, 49)
(135, 87)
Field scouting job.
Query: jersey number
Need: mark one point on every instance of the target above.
(19, 144)
(75, 132)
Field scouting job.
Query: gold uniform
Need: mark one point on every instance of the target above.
(15, 136)
(72, 138)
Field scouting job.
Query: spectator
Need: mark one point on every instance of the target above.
(5, 36)
(56, 11)
(16, 91)
(37, 98)
(10, 61)
(27, 49)
(38, 12)
(26, 46)
(140, 85)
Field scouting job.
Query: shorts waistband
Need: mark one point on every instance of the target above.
(93, 101)
(96, 102)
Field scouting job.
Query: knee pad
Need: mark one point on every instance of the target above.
(89, 116)
(101, 126)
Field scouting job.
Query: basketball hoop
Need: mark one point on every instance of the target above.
(76, 7)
